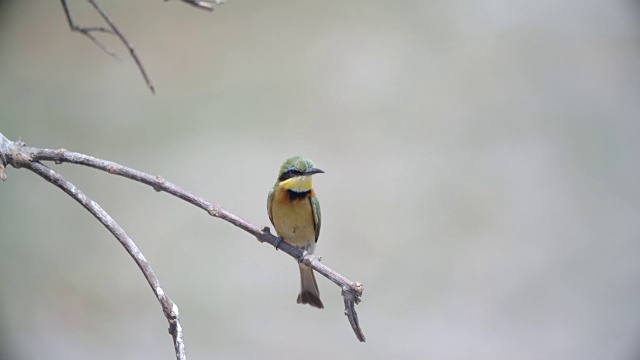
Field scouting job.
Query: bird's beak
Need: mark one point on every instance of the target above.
(313, 171)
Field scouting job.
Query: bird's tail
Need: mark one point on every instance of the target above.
(309, 293)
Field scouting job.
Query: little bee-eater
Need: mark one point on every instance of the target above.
(294, 211)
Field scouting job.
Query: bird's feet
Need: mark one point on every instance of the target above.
(304, 253)
(277, 243)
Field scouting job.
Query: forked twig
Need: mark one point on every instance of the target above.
(170, 309)
(19, 155)
(113, 30)
(126, 43)
(87, 31)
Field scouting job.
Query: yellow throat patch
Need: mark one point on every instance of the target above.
(298, 183)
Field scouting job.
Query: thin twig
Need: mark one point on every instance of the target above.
(126, 43)
(113, 30)
(87, 31)
(205, 5)
(170, 309)
(351, 291)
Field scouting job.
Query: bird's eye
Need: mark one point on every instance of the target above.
(289, 174)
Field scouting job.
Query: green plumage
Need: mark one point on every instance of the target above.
(296, 163)
(315, 204)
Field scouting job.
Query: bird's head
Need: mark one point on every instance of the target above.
(295, 174)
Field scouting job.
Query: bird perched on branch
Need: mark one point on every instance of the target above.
(294, 211)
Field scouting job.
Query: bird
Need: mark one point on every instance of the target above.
(294, 211)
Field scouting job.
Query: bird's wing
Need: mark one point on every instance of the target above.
(317, 217)
(269, 201)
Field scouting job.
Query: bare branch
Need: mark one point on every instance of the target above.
(126, 43)
(87, 31)
(113, 30)
(170, 309)
(351, 291)
(205, 5)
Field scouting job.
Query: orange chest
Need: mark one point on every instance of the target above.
(293, 218)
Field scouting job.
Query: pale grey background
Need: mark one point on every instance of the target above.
(481, 180)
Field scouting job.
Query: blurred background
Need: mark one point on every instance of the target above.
(481, 178)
